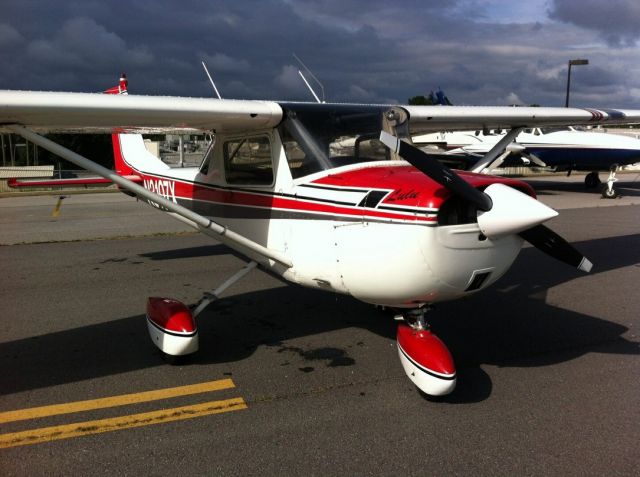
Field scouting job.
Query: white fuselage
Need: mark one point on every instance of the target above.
(382, 257)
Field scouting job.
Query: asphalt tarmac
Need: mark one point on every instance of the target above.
(292, 381)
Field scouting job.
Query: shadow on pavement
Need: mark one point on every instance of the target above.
(510, 324)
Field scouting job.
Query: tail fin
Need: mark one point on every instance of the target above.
(131, 146)
(121, 167)
(121, 88)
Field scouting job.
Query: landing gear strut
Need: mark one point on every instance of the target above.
(172, 325)
(426, 360)
(608, 192)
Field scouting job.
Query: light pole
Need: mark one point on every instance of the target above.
(571, 63)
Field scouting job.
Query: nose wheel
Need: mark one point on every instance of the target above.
(426, 360)
(608, 192)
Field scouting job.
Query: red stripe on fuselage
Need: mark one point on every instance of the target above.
(121, 166)
(190, 191)
(411, 189)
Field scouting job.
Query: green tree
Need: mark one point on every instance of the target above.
(420, 101)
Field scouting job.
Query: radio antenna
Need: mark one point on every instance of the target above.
(211, 80)
(312, 76)
(309, 86)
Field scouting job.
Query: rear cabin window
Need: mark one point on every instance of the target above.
(248, 161)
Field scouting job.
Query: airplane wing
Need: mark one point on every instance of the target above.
(97, 112)
(25, 112)
(438, 118)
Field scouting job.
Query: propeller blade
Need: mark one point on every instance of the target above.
(435, 170)
(545, 239)
(535, 159)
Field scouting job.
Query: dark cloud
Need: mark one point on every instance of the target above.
(370, 51)
(618, 21)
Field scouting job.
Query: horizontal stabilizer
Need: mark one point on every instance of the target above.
(16, 183)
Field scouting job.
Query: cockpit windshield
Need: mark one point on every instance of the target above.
(317, 139)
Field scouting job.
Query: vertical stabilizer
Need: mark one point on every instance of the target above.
(129, 152)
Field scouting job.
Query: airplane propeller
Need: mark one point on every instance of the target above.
(437, 171)
(502, 210)
(517, 150)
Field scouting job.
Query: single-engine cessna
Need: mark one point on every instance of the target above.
(382, 221)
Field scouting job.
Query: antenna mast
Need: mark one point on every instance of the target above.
(211, 80)
(312, 76)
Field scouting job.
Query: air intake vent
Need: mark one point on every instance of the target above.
(457, 211)
(478, 280)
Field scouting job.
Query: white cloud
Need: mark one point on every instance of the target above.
(9, 35)
(82, 42)
(512, 98)
(289, 78)
(358, 93)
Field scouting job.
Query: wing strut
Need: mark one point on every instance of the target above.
(197, 221)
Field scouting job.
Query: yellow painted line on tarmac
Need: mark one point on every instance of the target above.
(122, 400)
(48, 434)
(56, 209)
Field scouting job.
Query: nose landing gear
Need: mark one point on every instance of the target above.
(426, 360)
(592, 180)
(608, 192)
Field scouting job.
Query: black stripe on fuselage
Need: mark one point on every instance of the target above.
(333, 188)
(252, 191)
(425, 370)
(235, 211)
(408, 209)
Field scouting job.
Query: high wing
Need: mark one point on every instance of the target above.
(92, 112)
(438, 118)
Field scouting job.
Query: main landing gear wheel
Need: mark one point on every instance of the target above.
(172, 325)
(592, 180)
(426, 360)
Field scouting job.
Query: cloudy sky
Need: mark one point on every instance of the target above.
(478, 51)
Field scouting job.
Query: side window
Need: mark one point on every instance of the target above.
(248, 161)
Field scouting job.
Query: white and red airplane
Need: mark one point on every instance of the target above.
(383, 221)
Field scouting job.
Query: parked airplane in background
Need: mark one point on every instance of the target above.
(382, 221)
(559, 148)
